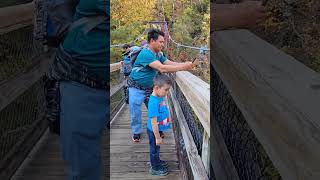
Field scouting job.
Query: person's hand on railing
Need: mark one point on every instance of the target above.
(188, 66)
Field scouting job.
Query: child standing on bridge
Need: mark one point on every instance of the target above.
(158, 120)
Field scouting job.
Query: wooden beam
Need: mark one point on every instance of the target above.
(116, 88)
(15, 17)
(195, 161)
(12, 88)
(278, 96)
(115, 66)
(220, 158)
(197, 92)
(205, 154)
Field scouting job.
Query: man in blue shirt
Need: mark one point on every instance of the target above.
(149, 62)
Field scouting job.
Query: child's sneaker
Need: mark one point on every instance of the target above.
(161, 172)
(136, 138)
(164, 164)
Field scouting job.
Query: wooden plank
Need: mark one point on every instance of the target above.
(140, 148)
(278, 96)
(12, 88)
(145, 157)
(117, 114)
(195, 161)
(126, 138)
(197, 92)
(221, 160)
(130, 160)
(15, 17)
(124, 167)
(180, 149)
(115, 67)
(143, 176)
(205, 154)
(116, 88)
(117, 167)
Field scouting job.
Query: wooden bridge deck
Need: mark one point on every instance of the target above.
(128, 160)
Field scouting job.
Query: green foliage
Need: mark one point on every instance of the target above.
(127, 22)
(191, 27)
(189, 24)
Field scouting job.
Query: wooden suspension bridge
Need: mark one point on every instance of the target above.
(264, 116)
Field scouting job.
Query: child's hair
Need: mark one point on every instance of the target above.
(162, 79)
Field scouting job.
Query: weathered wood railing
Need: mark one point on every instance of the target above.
(114, 89)
(197, 94)
(22, 101)
(15, 17)
(278, 98)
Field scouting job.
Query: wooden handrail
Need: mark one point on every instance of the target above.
(197, 92)
(116, 88)
(278, 96)
(115, 66)
(15, 17)
(196, 164)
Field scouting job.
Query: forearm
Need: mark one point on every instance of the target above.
(169, 62)
(171, 68)
(155, 129)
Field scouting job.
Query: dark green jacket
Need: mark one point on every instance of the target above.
(91, 49)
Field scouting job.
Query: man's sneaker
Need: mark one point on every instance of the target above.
(161, 134)
(136, 138)
(164, 164)
(161, 172)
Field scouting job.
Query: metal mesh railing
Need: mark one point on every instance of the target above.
(194, 125)
(118, 98)
(182, 153)
(18, 49)
(21, 116)
(248, 155)
(22, 120)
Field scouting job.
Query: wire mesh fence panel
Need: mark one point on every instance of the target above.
(22, 120)
(118, 98)
(18, 50)
(181, 149)
(194, 126)
(248, 155)
(20, 116)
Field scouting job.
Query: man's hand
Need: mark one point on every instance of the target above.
(188, 66)
(159, 141)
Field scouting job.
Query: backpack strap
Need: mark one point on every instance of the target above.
(90, 22)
